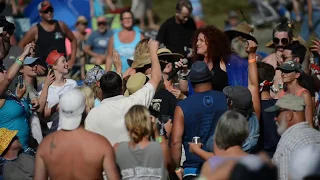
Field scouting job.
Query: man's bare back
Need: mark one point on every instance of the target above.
(77, 154)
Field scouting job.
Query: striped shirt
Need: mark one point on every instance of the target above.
(295, 137)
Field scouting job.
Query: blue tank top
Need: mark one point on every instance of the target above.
(14, 116)
(125, 50)
(201, 113)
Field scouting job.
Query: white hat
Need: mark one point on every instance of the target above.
(71, 108)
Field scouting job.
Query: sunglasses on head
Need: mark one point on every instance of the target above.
(284, 41)
(49, 9)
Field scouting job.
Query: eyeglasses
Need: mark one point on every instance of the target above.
(284, 41)
(277, 113)
(49, 9)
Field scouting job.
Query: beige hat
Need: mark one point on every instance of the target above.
(134, 83)
(244, 30)
(166, 55)
(82, 19)
(288, 101)
(141, 61)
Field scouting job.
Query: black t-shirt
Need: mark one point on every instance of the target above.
(163, 103)
(309, 82)
(269, 136)
(177, 36)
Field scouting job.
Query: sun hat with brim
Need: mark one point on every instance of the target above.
(288, 101)
(71, 108)
(290, 66)
(30, 60)
(53, 57)
(166, 55)
(134, 83)
(44, 5)
(6, 137)
(199, 72)
(240, 96)
(244, 30)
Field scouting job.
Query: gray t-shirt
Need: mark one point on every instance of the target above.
(146, 163)
(99, 42)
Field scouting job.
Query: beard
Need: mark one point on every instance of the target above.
(239, 47)
(282, 127)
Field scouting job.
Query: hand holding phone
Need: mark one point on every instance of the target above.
(20, 81)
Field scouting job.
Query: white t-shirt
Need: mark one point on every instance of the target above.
(108, 118)
(54, 93)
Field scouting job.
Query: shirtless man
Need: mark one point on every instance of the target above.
(74, 153)
(282, 36)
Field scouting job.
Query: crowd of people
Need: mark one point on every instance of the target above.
(194, 103)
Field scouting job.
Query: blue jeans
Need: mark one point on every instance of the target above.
(250, 142)
(305, 31)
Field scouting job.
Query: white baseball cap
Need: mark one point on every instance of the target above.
(71, 108)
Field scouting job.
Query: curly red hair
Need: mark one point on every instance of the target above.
(218, 43)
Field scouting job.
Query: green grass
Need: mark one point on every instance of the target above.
(215, 11)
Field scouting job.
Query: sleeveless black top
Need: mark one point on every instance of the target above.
(219, 79)
(49, 41)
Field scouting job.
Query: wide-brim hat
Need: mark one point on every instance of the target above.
(199, 72)
(166, 55)
(134, 83)
(6, 137)
(244, 30)
(141, 61)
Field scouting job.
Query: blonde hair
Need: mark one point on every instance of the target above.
(141, 49)
(138, 123)
(88, 95)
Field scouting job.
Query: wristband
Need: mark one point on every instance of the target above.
(252, 60)
(159, 139)
(19, 61)
(178, 169)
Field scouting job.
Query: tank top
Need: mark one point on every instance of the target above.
(146, 163)
(282, 93)
(125, 50)
(14, 117)
(201, 113)
(49, 41)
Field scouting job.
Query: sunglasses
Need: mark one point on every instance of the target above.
(284, 41)
(277, 113)
(49, 9)
(102, 23)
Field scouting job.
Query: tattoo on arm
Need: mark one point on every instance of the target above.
(52, 145)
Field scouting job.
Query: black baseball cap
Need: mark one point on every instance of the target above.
(290, 66)
(240, 96)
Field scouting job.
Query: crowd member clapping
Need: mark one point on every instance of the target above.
(71, 143)
(144, 158)
(124, 41)
(115, 105)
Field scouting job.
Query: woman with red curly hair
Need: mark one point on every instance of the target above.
(213, 47)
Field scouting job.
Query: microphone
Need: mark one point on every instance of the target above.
(184, 62)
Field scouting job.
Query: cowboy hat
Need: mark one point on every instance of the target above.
(166, 55)
(244, 30)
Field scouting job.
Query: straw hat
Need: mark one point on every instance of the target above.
(243, 30)
(6, 137)
(134, 83)
(166, 55)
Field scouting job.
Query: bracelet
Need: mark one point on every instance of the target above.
(252, 60)
(159, 139)
(178, 169)
(19, 61)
